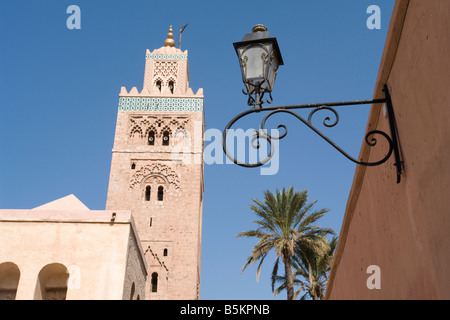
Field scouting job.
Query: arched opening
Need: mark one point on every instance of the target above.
(136, 136)
(165, 252)
(151, 138)
(52, 283)
(133, 166)
(147, 193)
(154, 282)
(180, 138)
(160, 193)
(9, 280)
(158, 85)
(171, 86)
(165, 138)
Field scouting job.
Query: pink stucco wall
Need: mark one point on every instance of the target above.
(404, 228)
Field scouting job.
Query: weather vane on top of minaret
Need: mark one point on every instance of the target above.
(181, 31)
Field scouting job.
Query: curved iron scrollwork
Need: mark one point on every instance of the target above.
(263, 133)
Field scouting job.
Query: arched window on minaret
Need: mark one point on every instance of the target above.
(165, 138)
(133, 166)
(154, 282)
(165, 252)
(147, 193)
(151, 138)
(158, 85)
(160, 193)
(171, 86)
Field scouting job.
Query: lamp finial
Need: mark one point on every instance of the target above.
(259, 28)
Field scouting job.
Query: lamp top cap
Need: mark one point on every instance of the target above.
(169, 41)
(259, 28)
(259, 34)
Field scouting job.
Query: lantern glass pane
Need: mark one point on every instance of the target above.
(253, 59)
(272, 71)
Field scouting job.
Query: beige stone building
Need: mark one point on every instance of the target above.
(147, 243)
(63, 250)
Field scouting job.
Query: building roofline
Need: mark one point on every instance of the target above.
(111, 217)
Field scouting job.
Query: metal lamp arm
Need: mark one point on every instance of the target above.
(369, 138)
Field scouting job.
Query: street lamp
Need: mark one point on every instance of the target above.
(259, 58)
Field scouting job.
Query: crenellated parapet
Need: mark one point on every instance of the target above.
(189, 93)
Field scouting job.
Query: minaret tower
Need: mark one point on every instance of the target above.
(157, 172)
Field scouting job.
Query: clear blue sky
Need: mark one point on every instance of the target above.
(59, 99)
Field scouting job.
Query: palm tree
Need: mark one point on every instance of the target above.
(285, 226)
(312, 270)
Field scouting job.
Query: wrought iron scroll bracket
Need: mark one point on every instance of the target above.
(262, 133)
(394, 134)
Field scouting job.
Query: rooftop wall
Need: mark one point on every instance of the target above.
(99, 251)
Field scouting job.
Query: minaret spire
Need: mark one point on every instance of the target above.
(169, 41)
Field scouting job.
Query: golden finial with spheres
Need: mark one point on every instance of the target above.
(169, 41)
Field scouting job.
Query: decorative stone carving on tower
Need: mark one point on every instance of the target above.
(157, 171)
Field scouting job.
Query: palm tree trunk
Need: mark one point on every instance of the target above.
(289, 277)
(311, 283)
